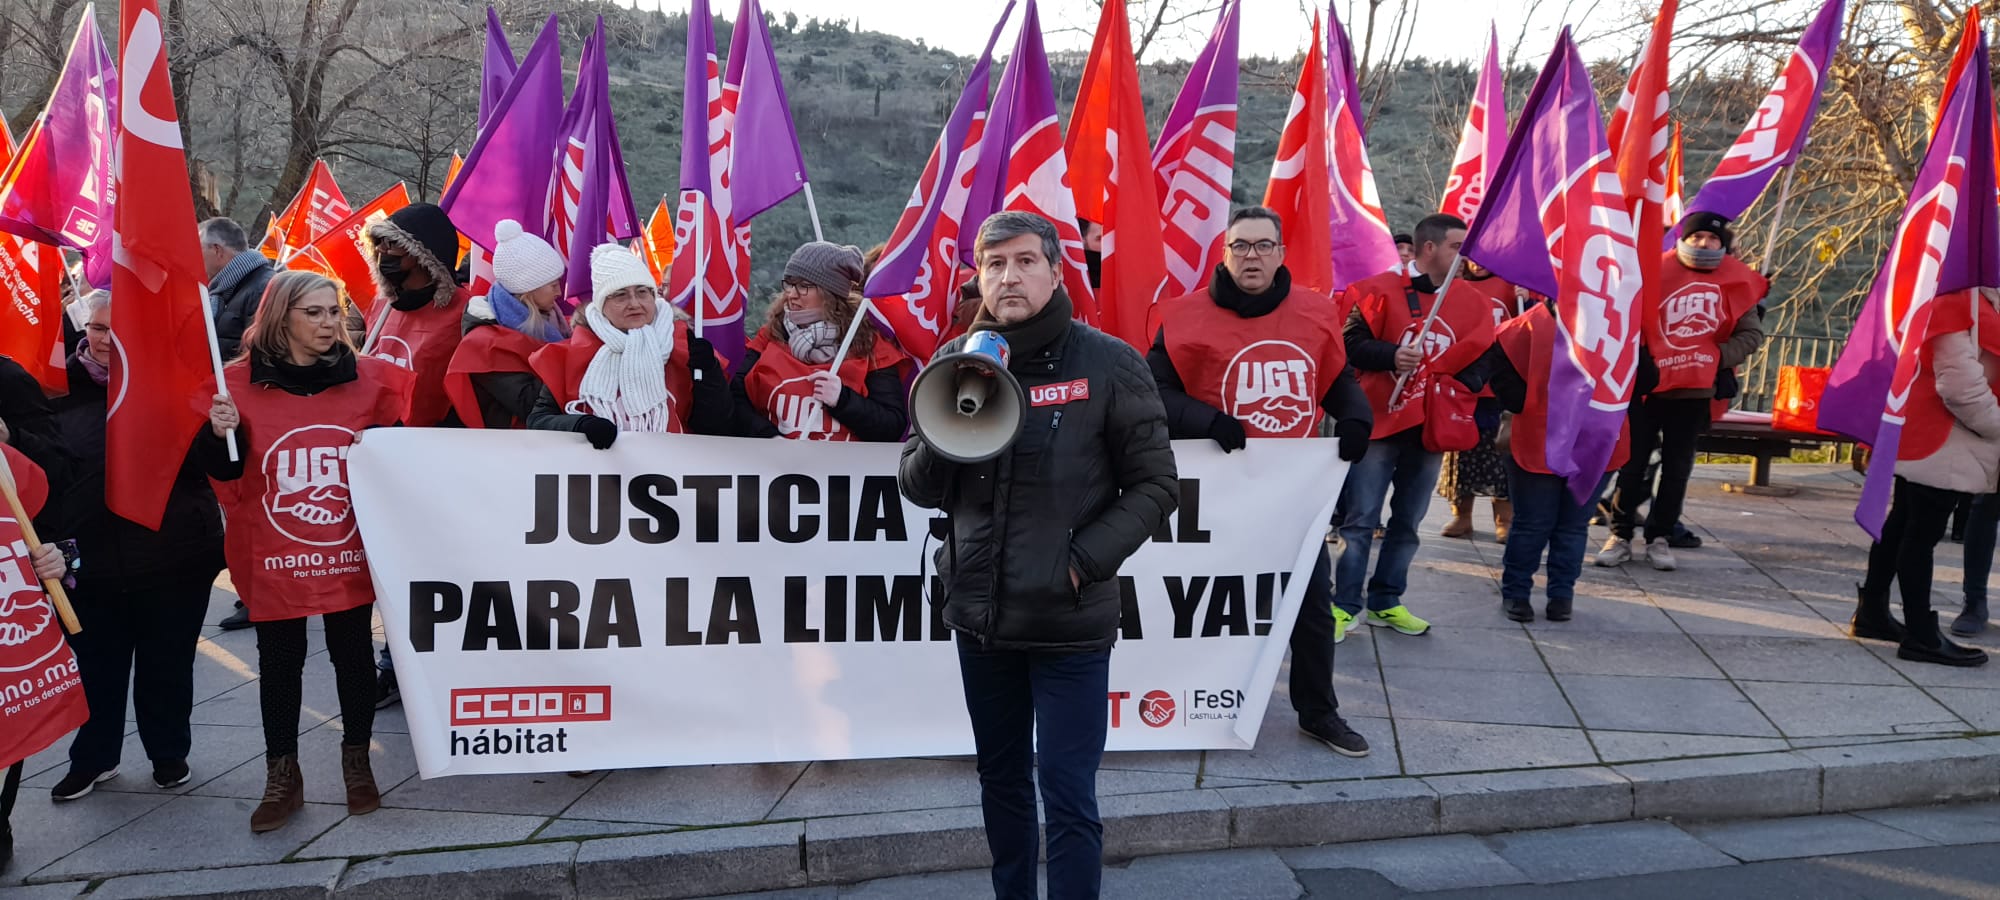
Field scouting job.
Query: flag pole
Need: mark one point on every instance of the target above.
(812, 209)
(861, 314)
(1436, 305)
(700, 285)
(215, 360)
(1777, 216)
(57, 597)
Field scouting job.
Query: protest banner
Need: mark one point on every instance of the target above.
(684, 600)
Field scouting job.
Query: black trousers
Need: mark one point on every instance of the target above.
(1670, 426)
(1918, 518)
(281, 662)
(141, 636)
(1312, 647)
(10, 790)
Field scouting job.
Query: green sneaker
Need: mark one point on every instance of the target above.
(1341, 622)
(1399, 618)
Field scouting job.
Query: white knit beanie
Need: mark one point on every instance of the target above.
(523, 262)
(613, 267)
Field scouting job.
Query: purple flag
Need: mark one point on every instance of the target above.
(1195, 161)
(1358, 235)
(498, 69)
(711, 268)
(989, 183)
(766, 166)
(910, 242)
(1340, 65)
(1554, 221)
(588, 198)
(59, 187)
(1948, 241)
(506, 176)
(1197, 93)
(1777, 130)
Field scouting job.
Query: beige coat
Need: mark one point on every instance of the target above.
(1969, 460)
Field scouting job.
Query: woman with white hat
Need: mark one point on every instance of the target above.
(630, 364)
(789, 383)
(490, 381)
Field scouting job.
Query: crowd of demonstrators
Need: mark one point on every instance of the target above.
(789, 383)
(1950, 451)
(297, 371)
(490, 380)
(143, 595)
(1706, 321)
(1035, 602)
(1481, 471)
(1250, 300)
(630, 364)
(1422, 393)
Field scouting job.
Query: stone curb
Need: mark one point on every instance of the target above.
(847, 849)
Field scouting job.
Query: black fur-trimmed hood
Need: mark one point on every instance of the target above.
(423, 231)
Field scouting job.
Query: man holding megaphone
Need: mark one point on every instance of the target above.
(1043, 442)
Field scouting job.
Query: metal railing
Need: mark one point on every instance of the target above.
(1760, 375)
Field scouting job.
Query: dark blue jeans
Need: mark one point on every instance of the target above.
(1980, 532)
(1401, 464)
(1546, 517)
(1012, 697)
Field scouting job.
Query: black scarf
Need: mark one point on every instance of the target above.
(1040, 331)
(1230, 297)
(336, 368)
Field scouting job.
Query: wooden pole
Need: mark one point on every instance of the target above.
(57, 597)
(1437, 303)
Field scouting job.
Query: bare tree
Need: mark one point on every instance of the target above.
(35, 35)
(1152, 20)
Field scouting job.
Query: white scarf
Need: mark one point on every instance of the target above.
(626, 381)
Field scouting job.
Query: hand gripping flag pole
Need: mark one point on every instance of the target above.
(20, 513)
(1437, 303)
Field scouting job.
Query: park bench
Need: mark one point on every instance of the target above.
(1742, 433)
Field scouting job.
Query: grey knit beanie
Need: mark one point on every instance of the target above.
(835, 268)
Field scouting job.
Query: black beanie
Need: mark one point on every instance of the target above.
(1713, 223)
(432, 228)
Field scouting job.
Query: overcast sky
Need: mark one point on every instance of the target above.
(1447, 29)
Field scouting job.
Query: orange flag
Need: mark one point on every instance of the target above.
(656, 245)
(451, 175)
(1111, 176)
(317, 207)
(162, 361)
(1675, 208)
(1301, 189)
(31, 300)
(342, 253)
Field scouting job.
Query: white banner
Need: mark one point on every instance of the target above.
(682, 600)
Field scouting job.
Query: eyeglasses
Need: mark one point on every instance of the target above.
(317, 313)
(794, 285)
(1260, 248)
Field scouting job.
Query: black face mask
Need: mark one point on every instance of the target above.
(391, 268)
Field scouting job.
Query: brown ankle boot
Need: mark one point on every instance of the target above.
(1503, 520)
(284, 794)
(1461, 518)
(362, 795)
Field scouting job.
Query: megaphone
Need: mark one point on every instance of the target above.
(966, 405)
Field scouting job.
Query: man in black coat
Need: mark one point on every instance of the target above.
(237, 276)
(1030, 565)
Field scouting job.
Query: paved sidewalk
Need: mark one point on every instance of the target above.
(1943, 852)
(1722, 690)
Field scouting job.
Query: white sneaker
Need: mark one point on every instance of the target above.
(1616, 552)
(1660, 555)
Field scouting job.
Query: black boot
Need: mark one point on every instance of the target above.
(1924, 643)
(1872, 621)
(1972, 619)
(1518, 610)
(6, 845)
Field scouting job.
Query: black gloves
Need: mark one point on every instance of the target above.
(1227, 433)
(701, 354)
(599, 431)
(1353, 437)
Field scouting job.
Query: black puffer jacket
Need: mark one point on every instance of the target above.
(31, 422)
(114, 549)
(1085, 485)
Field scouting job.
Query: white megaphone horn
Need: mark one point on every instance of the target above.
(966, 405)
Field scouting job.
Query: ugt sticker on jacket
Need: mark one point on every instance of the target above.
(684, 600)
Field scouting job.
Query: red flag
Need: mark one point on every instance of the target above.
(31, 642)
(341, 253)
(31, 300)
(162, 351)
(1037, 176)
(318, 206)
(1638, 137)
(1676, 207)
(656, 245)
(1301, 189)
(1111, 178)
